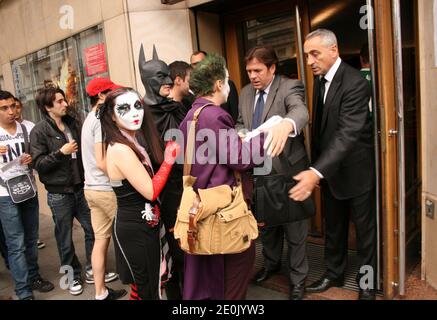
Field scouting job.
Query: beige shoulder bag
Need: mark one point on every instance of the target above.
(214, 220)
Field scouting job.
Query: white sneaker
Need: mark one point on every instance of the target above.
(40, 244)
(76, 287)
(109, 277)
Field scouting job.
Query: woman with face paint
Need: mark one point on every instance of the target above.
(141, 255)
(217, 277)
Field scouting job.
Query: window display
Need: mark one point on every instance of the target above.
(68, 64)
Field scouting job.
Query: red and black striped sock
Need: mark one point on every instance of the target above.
(134, 292)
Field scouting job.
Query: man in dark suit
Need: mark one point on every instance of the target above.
(342, 161)
(266, 96)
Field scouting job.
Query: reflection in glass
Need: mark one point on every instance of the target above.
(344, 18)
(411, 87)
(59, 65)
(278, 32)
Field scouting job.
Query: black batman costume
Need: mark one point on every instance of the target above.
(167, 114)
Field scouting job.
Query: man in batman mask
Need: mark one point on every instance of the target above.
(155, 76)
(167, 114)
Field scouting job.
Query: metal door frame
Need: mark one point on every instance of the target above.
(399, 92)
(372, 57)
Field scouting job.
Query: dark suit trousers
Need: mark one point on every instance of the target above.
(363, 215)
(295, 234)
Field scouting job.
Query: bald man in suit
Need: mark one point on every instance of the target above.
(343, 163)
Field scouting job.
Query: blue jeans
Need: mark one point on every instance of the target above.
(65, 207)
(20, 226)
(3, 248)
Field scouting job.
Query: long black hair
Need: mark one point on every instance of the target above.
(147, 134)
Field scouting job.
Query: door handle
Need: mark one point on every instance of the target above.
(392, 132)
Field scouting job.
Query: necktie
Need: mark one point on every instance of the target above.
(322, 89)
(259, 108)
(320, 104)
(318, 116)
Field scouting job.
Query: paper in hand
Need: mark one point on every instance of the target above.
(70, 138)
(266, 125)
(8, 166)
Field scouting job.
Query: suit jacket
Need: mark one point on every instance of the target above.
(286, 98)
(345, 154)
(231, 106)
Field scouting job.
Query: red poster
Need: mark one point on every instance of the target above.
(95, 60)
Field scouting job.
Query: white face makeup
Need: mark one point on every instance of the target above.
(129, 111)
(226, 89)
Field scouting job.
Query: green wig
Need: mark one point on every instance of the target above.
(206, 73)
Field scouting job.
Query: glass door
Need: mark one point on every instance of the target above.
(276, 31)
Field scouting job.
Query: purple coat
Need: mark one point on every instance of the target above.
(205, 275)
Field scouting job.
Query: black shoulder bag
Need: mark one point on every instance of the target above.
(22, 187)
(271, 204)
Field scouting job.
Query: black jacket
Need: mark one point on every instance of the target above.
(231, 106)
(346, 156)
(55, 170)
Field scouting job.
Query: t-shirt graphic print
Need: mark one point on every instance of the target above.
(10, 161)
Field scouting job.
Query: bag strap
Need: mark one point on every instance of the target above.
(26, 143)
(26, 138)
(189, 151)
(283, 163)
(237, 176)
(192, 226)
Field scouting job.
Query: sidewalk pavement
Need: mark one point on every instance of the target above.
(275, 288)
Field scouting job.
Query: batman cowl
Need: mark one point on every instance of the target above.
(154, 74)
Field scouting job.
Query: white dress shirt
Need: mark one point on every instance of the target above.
(329, 76)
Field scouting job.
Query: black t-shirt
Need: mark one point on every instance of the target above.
(74, 162)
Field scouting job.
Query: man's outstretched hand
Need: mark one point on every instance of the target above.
(307, 181)
(277, 137)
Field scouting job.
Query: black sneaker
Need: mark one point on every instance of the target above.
(76, 287)
(115, 294)
(42, 285)
(28, 298)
